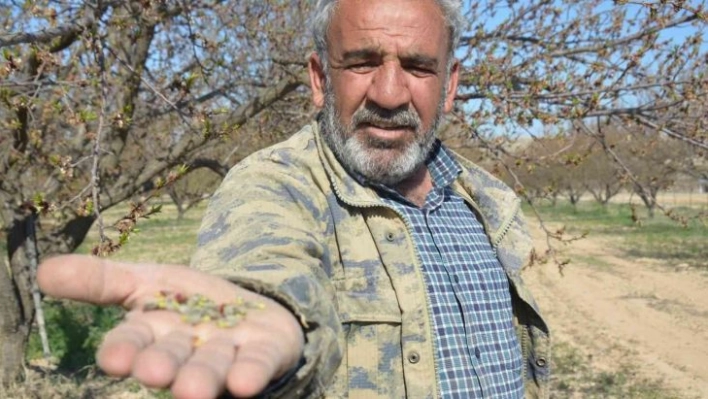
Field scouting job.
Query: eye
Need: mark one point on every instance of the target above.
(362, 67)
(421, 71)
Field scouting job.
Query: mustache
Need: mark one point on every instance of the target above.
(374, 115)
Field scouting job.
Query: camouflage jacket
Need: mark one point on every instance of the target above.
(289, 222)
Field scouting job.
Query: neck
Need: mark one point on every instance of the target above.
(416, 187)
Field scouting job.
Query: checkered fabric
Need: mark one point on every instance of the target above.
(478, 353)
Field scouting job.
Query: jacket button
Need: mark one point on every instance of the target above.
(413, 357)
(541, 362)
(390, 236)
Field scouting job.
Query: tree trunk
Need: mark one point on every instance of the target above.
(13, 343)
(16, 307)
(17, 310)
(179, 203)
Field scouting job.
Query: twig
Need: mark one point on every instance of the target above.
(96, 150)
(33, 255)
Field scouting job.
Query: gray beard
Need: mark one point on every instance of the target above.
(377, 161)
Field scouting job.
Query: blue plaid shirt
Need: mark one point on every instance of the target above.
(478, 353)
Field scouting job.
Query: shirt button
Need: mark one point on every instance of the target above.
(456, 278)
(413, 357)
(390, 236)
(541, 362)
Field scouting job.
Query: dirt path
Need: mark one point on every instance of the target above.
(636, 312)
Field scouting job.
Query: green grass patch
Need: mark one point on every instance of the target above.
(74, 331)
(658, 237)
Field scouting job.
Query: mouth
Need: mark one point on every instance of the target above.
(386, 126)
(386, 136)
(386, 132)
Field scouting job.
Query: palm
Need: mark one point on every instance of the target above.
(158, 348)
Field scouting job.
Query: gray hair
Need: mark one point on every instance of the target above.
(324, 11)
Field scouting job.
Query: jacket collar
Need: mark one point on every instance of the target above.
(494, 200)
(347, 188)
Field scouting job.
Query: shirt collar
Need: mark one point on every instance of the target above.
(442, 166)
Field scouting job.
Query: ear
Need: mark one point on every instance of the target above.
(451, 89)
(317, 80)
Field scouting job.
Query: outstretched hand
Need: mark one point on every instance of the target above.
(158, 348)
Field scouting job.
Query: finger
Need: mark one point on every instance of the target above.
(121, 345)
(87, 279)
(204, 374)
(255, 366)
(158, 364)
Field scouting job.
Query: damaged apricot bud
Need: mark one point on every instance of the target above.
(198, 309)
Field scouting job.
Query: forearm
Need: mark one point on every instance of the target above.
(263, 241)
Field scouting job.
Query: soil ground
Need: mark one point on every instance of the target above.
(617, 311)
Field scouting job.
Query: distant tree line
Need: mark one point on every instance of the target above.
(574, 165)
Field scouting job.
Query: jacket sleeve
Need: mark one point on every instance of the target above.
(264, 230)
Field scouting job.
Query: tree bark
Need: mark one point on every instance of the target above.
(17, 310)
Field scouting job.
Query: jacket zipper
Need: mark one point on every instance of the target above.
(524, 352)
(504, 228)
(525, 345)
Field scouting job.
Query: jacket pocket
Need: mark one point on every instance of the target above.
(366, 296)
(371, 322)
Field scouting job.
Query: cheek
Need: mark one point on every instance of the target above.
(350, 92)
(425, 101)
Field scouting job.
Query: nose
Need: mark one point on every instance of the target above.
(389, 87)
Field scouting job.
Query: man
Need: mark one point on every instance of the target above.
(387, 266)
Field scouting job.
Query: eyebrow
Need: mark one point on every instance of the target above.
(361, 54)
(412, 59)
(420, 60)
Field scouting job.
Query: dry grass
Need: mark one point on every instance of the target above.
(45, 382)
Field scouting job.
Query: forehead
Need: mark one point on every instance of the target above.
(384, 23)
